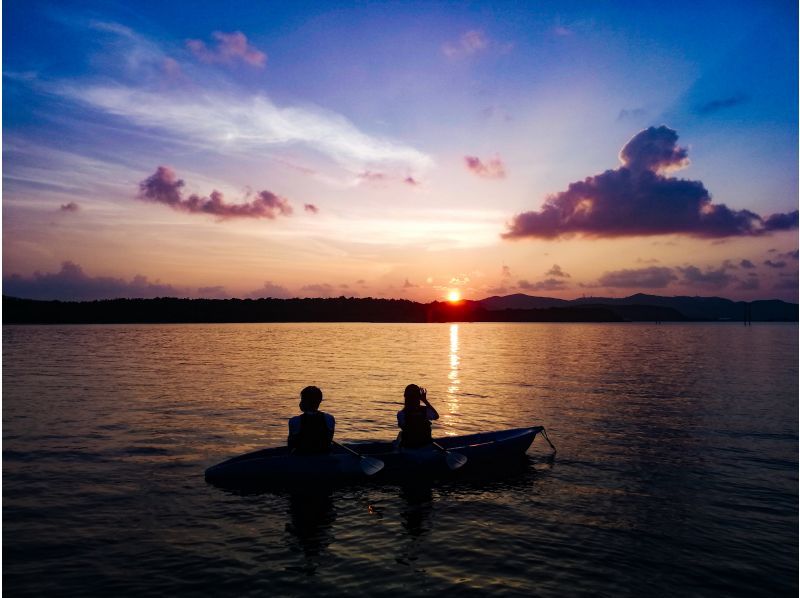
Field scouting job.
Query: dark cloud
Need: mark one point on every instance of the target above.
(230, 47)
(710, 279)
(638, 199)
(410, 180)
(270, 289)
(311, 208)
(772, 264)
(557, 271)
(165, 187)
(749, 284)
(787, 284)
(654, 277)
(720, 104)
(493, 169)
(550, 284)
(747, 264)
(71, 283)
(790, 255)
(70, 207)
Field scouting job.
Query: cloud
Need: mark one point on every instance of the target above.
(506, 272)
(469, 43)
(493, 169)
(654, 277)
(721, 104)
(230, 47)
(311, 208)
(772, 264)
(786, 284)
(71, 283)
(372, 177)
(550, 284)
(751, 283)
(557, 271)
(270, 289)
(319, 290)
(410, 180)
(240, 124)
(638, 199)
(631, 113)
(70, 207)
(409, 285)
(164, 187)
(710, 279)
(213, 292)
(747, 264)
(790, 255)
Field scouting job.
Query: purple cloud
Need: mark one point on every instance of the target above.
(71, 283)
(654, 277)
(270, 289)
(550, 284)
(410, 180)
(747, 264)
(772, 264)
(318, 290)
(230, 47)
(751, 283)
(493, 169)
(638, 199)
(710, 279)
(311, 208)
(70, 207)
(790, 255)
(164, 187)
(557, 271)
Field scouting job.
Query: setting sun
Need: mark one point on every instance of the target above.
(454, 296)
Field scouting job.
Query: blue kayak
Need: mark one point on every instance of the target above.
(277, 466)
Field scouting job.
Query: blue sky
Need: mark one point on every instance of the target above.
(387, 149)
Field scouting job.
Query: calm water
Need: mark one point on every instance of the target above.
(676, 471)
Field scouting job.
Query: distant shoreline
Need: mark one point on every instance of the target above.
(638, 308)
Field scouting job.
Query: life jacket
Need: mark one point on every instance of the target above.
(314, 437)
(416, 428)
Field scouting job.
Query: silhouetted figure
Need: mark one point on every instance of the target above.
(312, 432)
(415, 419)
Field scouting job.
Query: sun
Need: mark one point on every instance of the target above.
(454, 296)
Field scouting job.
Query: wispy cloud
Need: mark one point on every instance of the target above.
(165, 187)
(270, 289)
(311, 208)
(638, 199)
(229, 48)
(721, 104)
(549, 284)
(70, 207)
(491, 169)
(557, 271)
(778, 264)
(471, 42)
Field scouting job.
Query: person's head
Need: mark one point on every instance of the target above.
(310, 398)
(411, 396)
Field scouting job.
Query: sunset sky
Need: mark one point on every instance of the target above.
(249, 149)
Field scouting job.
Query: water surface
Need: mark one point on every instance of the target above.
(676, 471)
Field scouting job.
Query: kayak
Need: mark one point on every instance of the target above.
(277, 466)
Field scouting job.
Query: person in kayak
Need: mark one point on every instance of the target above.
(312, 432)
(415, 419)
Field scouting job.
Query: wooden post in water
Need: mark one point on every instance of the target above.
(748, 314)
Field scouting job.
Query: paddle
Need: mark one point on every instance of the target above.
(369, 465)
(453, 460)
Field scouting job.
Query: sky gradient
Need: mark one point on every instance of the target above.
(400, 149)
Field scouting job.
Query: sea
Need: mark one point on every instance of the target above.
(676, 471)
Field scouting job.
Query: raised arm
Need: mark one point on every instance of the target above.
(423, 395)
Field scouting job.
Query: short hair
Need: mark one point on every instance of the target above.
(411, 396)
(310, 397)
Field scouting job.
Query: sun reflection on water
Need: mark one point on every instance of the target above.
(452, 376)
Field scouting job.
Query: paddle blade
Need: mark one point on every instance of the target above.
(455, 460)
(370, 465)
